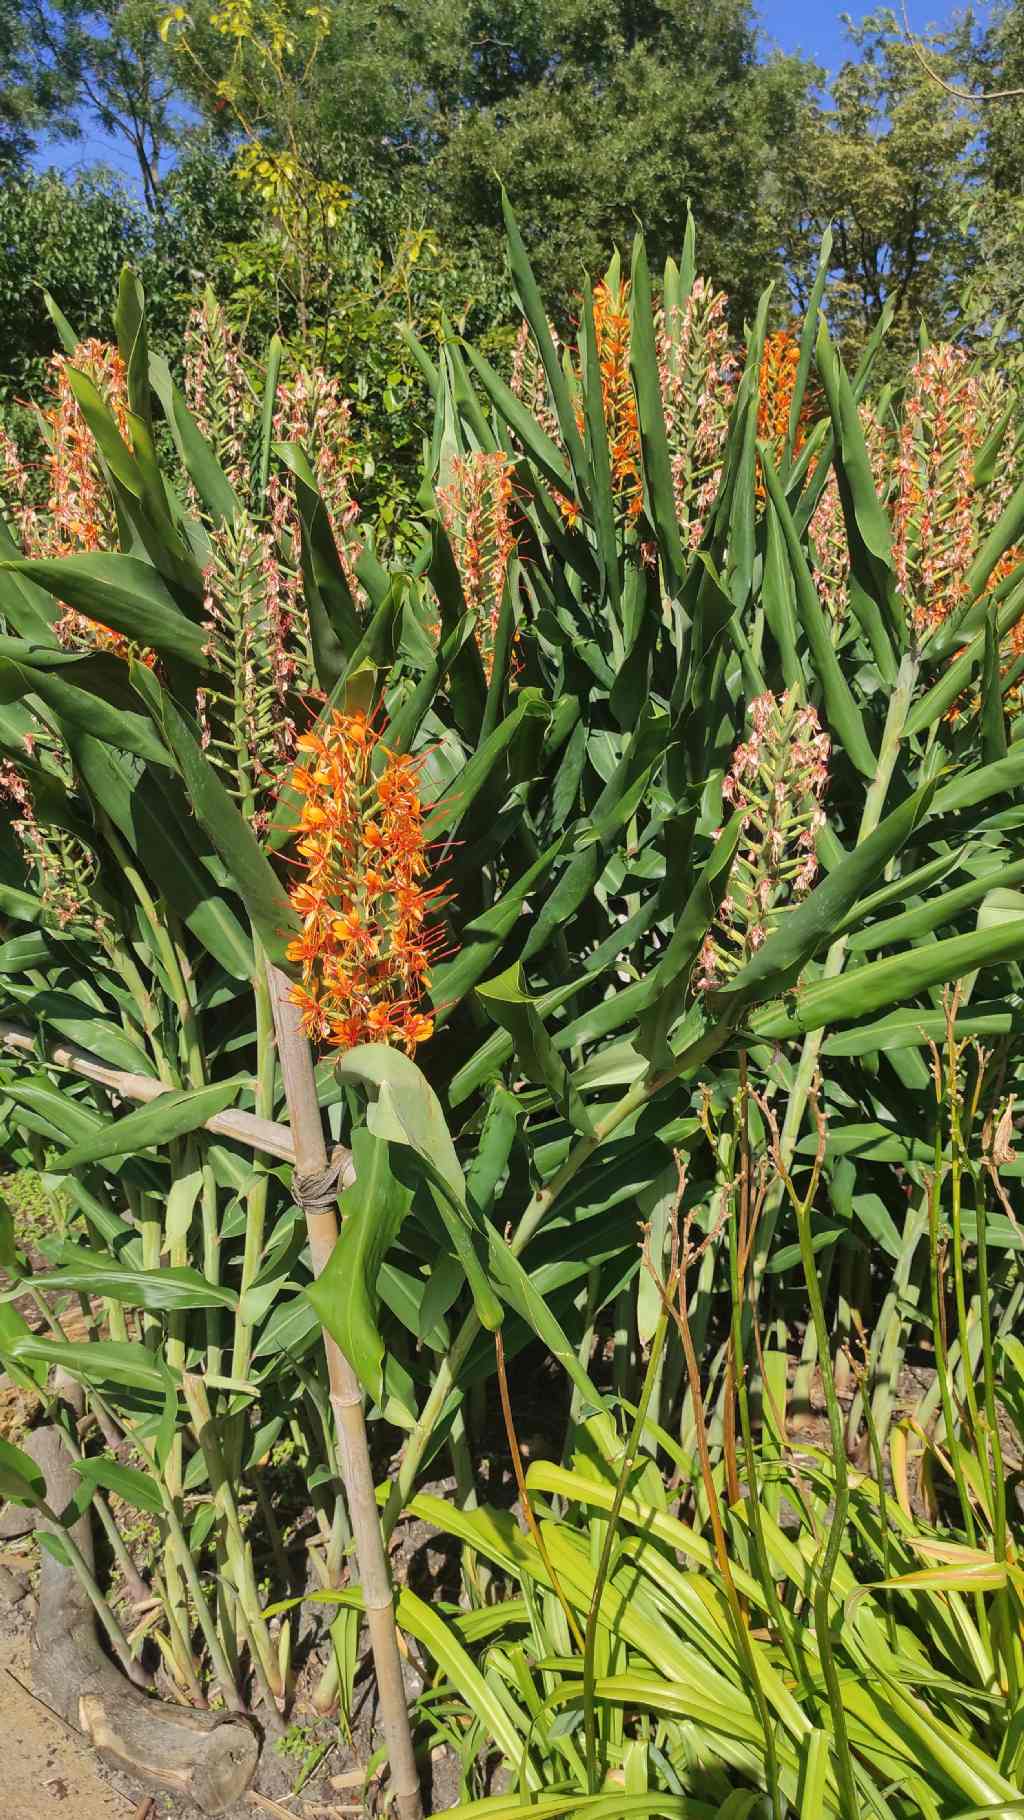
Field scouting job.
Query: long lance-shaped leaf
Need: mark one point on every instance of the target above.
(841, 711)
(779, 963)
(912, 924)
(197, 458)
(872, 587)
(539, 447)
(171, 1115)
(777, 599)
(123, 593)
(666, 990)
(808, 335)
(405, 1110)
(66, 690)
(94, 1273)
(346, 1294)
(978, 786)
(882, 983)
(957, 674)
(533, 310)
(643, 360)
(334, 624)
(97, 1361)
(516, 1011)
(152, 813)
(31, 611)
(914, 1028)
(458, 801)
(482, 940)
(993, 724)
(266, 902)
(138, 488)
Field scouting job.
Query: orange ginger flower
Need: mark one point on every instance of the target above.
(612, 332)
(776, 384)
(81, 511)
(476, 511)
(366, 944)
(1011, 649)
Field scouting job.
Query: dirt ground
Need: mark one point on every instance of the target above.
(48, 1773)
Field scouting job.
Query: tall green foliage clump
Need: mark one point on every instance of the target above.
(677, 773)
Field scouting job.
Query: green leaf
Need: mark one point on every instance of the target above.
(124, 1481)
(533, 309)
(346, 1295)
(97, 1361)
(94, 1274)
(597, 449)
(669, 983)
(539, 447)
(257, 884)
(21, 1481)
(841, 711)
(335, 630)
(404, 1108)
(197, 458)
(899, 977)
(170, 1115)
(516, 1011)
(123, 593)
(804, 928)
(643, 358)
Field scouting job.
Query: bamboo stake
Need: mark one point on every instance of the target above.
(244, 1127)
(315, 1188)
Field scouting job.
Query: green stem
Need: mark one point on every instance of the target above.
(874, 802)
(534, 1214)
(840, 1511)
(629, 1456)
(256, 1199)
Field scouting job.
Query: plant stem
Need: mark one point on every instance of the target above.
(315, 1191)
(536, 1211)
(629, 1455)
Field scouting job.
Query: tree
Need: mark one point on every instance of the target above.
(32, 95)
(109, 56)
(887, 164)
(595, 115)
(67, 238)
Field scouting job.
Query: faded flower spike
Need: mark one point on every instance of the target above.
(476, 511)
(777, 782)
(366, 945)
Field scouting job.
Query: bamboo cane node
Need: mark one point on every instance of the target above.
(317, 1191)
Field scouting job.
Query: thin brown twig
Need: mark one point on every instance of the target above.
(982, 96)
(524, 1496)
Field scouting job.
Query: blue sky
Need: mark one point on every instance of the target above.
(811, 26)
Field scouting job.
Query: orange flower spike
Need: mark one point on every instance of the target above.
(364, 952)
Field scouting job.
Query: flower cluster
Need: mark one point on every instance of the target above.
(476, 511)
(777, 782)
(62, 869)
(16, 497)
(367, 944)
(697, 378)
(828, 526)
(612, 333)
(934, 503)
(247, 728)
(217, 391)
(312, 412)
(776, 384)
